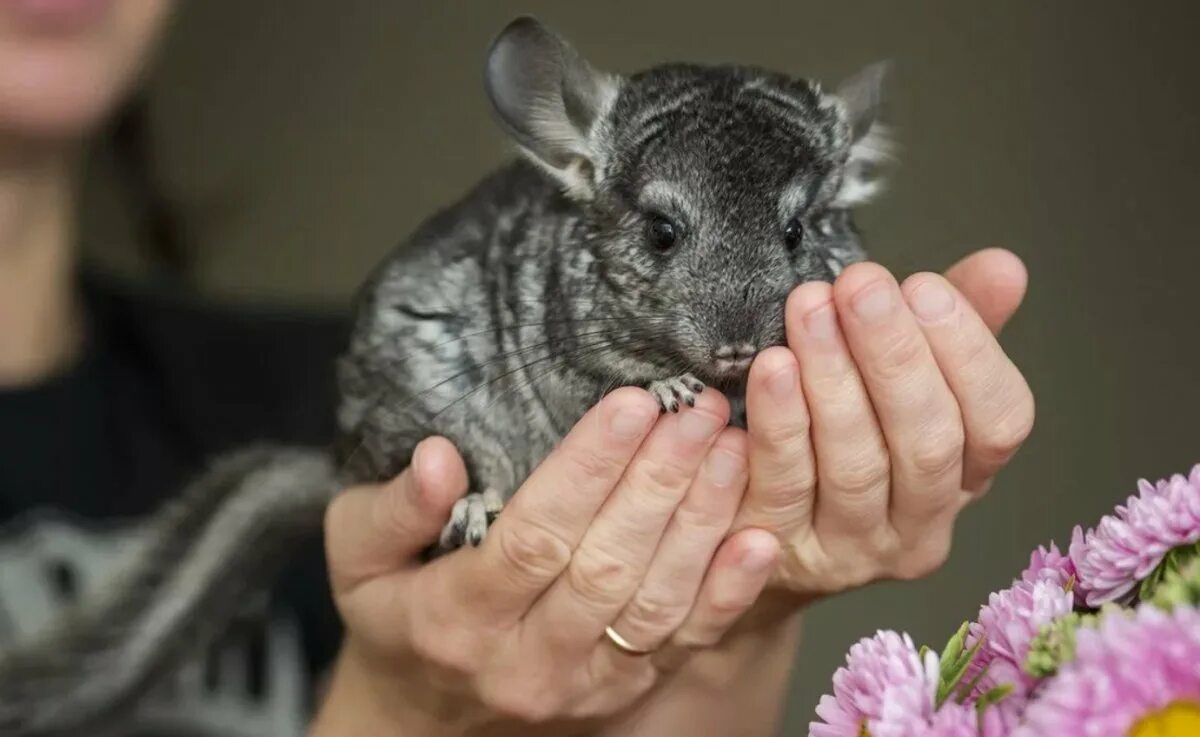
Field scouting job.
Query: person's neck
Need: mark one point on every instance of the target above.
(39, 324)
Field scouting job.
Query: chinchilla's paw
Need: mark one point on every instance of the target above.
(469, 520)
(669, 392)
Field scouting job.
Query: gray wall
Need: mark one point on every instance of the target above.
(299, 142)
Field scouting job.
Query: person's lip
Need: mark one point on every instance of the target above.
(54, 15)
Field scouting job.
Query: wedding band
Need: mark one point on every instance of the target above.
(624, 645)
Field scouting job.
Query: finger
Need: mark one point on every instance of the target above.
(917, 411)
(373, 530)
(993, 281)
(612, 559)
(735, 579)
(533, 539)
(781, 455)
(997, 405)
(851, 457)
(669, 589)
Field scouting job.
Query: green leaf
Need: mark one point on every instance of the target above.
(953, 651)
(967, 688)
(1179, 587)
(951, 680)
(1173, 562)
(994, 696)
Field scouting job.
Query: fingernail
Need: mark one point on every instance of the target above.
(783, 384)
(630, 422)
(875, 302)
(723, 467)
(931, 301)
(697, 426)
(756, 559)
(821, 323)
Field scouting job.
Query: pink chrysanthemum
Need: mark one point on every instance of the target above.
(884, 682)
(951, 720)
(1135, 675)
(962, 720)
(1126, 546)
(1049, 564)
(1052, 565)
(1007, 624)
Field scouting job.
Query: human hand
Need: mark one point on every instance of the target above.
(891, 408)
(621, 526)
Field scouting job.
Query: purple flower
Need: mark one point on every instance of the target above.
(1007, 624)
(1049, 564)
(962, 720)
(1136, 674)
(1052, 565)
(884, 686)
(1127, 545)
(951, 720)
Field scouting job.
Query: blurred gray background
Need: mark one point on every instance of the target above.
(297, 142)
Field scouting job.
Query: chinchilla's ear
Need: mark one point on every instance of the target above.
(549, 99)
(862, 99)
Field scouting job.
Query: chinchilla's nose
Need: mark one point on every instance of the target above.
(733, 357)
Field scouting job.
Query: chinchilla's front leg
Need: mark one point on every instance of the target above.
(670, 392)
(470, 519)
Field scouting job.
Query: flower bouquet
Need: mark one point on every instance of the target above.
(1101, 642)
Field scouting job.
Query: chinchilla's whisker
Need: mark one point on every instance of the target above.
(543, 323)
(562, 360)
(563, 357)
(495, 359)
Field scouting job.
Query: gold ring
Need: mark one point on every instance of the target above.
(624, 645)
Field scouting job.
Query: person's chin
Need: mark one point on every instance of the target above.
(53, 98)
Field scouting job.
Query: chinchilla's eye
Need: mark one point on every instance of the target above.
(663, 234)
(793, 234)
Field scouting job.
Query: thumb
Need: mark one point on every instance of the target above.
(376, 529)
(993, 281)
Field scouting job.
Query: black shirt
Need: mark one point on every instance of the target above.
(164, 384)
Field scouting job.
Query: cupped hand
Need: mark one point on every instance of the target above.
(624, 525)
(891, 408)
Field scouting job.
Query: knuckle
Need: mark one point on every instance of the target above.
(586, 463)
(727, 606)
(655, 612)
(659, 473)
(783, 432)
(860, 474)
(929, 557)
(938, 452)
(521, 701)
(896, 361)
(1003, 437)
(698, 638)
(432, 643)
(599, 578)
(695, 518)
(976, 350)
(782, 501)
(533, 553)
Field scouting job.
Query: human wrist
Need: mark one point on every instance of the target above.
(743, 649)
(736, 686)
(362, 699)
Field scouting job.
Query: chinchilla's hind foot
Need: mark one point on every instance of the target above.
(469, 520)
(670, 392)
